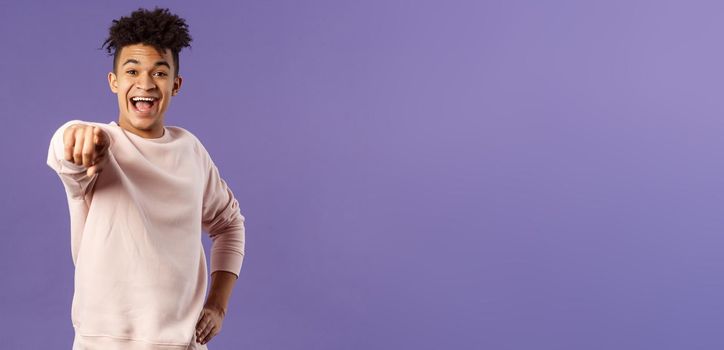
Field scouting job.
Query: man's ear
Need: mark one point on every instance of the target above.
(113, 82)
(177, 84)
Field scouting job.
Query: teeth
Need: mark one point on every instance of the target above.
(143, 99)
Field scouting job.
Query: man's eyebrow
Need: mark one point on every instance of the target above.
(130, 60)
(159, 63)
(162, 63)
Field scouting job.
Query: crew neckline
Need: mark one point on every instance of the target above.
(163, 139)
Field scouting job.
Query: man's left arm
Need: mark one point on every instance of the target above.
(223, 221)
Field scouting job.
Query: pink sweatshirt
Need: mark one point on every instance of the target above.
(140, 267)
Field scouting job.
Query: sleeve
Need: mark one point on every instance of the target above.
(222, 220)
(75, 180)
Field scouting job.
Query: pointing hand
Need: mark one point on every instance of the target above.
(86, 145)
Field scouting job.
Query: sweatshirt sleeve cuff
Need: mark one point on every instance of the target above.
(68, 167)
(223, 261)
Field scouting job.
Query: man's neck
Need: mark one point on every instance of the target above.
(156, 132)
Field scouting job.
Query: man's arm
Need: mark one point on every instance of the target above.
(222, 283)
(223, 221)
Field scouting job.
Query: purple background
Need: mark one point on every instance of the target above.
(414, 174)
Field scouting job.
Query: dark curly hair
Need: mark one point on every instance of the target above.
(158, 28)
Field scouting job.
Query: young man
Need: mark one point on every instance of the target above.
(139, 194)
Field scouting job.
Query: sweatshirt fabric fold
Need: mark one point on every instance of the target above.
(140, 267)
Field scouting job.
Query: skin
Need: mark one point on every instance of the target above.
(212, 315)
(143, 71)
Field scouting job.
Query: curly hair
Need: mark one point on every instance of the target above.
(158, 28)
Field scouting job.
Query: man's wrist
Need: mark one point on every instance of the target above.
(214, 305)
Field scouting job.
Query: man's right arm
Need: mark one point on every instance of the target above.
(75, 177)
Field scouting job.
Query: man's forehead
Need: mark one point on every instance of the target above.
(144, 53)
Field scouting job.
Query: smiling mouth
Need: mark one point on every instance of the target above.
(143, 105)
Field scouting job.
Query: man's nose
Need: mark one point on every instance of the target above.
(145, 82)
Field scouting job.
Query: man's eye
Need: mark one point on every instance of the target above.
(162, 74)
(132, 71)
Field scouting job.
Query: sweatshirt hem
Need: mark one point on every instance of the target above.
(88, 341)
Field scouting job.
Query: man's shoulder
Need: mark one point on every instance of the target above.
(186, 133)
(182, 132)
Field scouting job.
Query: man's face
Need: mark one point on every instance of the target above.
(143, 72)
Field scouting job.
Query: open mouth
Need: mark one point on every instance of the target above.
(143, 104)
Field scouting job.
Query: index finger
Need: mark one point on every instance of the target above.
(69, 144)
(99, 136)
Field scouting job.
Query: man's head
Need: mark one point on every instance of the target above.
(145, 48)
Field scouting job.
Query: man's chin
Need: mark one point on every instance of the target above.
(143, 118)
(151, 115)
